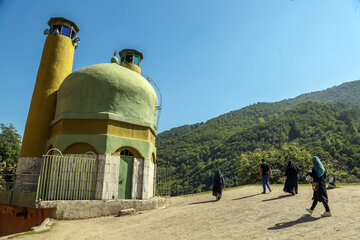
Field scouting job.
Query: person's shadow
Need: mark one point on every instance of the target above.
(277, 198)
(303, 219)
(209, 201)
(247, 196)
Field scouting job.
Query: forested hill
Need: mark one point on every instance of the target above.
(192, 152)
(225, 125)
(345, 93)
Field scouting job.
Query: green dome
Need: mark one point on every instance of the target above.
(107, 91)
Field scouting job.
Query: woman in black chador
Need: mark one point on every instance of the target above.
(218, 184)
(320, 195)
(291, 185)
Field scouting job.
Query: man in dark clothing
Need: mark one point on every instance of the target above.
(265, 175)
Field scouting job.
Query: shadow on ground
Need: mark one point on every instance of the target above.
(247, 196)
(277, 198)
(209, 201)
(303, 219)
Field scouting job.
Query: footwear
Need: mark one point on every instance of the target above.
(326, 214)
(269, 190)
(309, 210)
(263, 192)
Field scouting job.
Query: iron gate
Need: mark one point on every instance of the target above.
(67, 177)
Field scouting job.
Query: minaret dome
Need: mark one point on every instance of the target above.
(131, 58)
(63, 26)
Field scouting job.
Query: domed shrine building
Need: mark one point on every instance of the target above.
(110, 109)
(90, 134)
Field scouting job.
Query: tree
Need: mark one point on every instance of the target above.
(10, 141)
(261, 120)
(278, 160)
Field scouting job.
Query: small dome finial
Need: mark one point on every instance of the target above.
(114, 60)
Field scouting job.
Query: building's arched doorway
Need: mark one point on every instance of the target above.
(125, 174)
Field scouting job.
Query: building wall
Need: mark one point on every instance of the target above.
(103, 126)
(148, 179)
(27, 165)
(104, 144)
(137, 179)
(107, 177)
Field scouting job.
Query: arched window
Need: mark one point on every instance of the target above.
(126, 152)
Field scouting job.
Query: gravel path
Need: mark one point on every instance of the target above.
(242, 213)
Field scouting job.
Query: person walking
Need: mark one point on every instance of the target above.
(265, 175)
(291, 185)
(318, 174)
(218, 184)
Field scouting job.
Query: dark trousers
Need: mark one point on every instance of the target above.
(315, 202)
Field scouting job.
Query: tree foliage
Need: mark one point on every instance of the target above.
(10, 141)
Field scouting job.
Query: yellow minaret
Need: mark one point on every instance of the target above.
(55, 65)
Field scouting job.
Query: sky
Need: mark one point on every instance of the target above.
(207, 57)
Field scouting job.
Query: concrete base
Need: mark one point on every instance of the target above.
(98, 208)
(129, 211)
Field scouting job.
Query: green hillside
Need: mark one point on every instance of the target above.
(232, 140)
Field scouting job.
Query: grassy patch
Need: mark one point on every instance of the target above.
(345, 184)
(31, 232)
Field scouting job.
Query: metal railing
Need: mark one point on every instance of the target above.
(24, 184)
(159, 107)
(67, 177)
(162, 181)
(7, 182)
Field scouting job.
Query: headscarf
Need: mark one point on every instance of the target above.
(218, 174)
(319, 168)
(291, 168)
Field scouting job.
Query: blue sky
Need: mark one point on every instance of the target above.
(208, 57)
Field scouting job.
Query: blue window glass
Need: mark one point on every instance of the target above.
(66, 31)
(136, 60)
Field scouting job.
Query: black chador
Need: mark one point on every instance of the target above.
(218, 184)
(291, 185)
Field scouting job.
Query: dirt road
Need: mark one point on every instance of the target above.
(243, 213)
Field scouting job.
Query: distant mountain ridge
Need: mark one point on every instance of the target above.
(348, 93)
(200, 141)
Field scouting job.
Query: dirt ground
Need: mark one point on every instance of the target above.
(242, 213)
